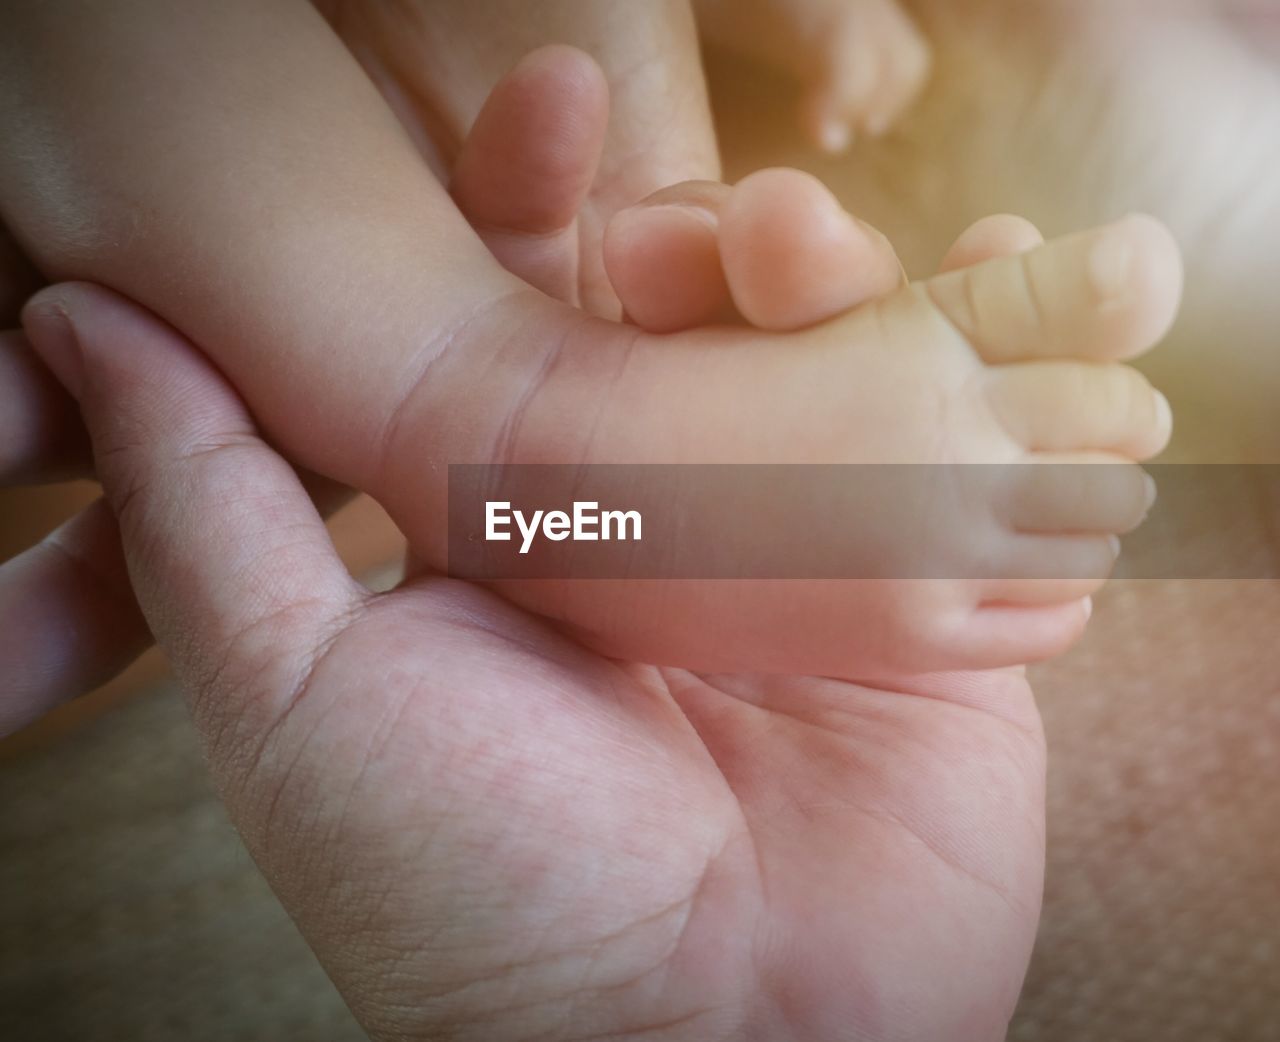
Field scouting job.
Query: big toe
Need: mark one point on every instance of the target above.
(1105, 294)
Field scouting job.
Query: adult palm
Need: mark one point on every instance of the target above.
(487, 832)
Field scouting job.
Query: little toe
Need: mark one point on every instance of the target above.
(1080, 406)
(1109, 293)
(1000, 235)
(1085, 494)
(1042, 570)
(1003, 634)
(663, 259)
(793, 256)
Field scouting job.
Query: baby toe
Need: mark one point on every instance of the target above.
(793, 256)
(1077, 494)
(1000, 235)
(1110, 293)
(1037, 570)
(1079, 407)
(1004, 634)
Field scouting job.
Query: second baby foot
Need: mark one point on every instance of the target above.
(861, 63)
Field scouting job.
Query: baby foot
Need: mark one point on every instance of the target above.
(1012, 361)
(861, 62)
(1000, 359)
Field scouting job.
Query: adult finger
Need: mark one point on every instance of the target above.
(231, 563)
(529, 161)
(41, 436)
(68, 618)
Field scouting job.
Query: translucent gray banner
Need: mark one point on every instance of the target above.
(723, 521)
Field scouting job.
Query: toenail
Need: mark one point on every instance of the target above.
(665, 215)
(1164, 413)
(693, 214)
(1110, 265)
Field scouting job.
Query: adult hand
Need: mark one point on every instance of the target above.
(487, 832)
(436, 61)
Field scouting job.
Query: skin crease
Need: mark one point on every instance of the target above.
(486, 832)
(589, 823)
(453, 377)
(972, 745)
(655, 845)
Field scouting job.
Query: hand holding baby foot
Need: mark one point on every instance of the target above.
(1044, 329)
(486, 832)
(493, 372)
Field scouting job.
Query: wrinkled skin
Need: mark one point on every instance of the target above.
(462, 798)
(487, 832)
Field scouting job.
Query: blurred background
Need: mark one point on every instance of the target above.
(129, 909)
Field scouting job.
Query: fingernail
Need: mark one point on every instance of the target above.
(1114, 542)
(1088, 608)
(1110, 265)
(1152, 492)
(49, 328)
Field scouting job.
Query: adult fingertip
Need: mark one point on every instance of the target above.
(53, 336)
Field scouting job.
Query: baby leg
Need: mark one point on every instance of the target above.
(303, 246)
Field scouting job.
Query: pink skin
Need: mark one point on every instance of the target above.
(776, 251)
(436, 61)
(860, 64)
(609, 847)
(73, 621)
(524, 244)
